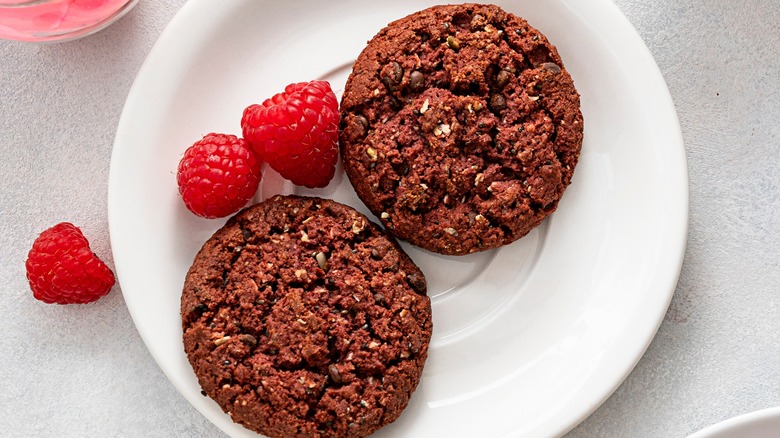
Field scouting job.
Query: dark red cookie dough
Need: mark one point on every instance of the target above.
(460, 128)
(303, 319)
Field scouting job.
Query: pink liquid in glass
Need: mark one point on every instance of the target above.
(48, 20)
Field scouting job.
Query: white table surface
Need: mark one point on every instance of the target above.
(83, 371)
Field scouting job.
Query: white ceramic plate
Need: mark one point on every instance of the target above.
(528, 339)
(759, 424)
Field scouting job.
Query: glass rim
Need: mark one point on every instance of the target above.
(21, 4)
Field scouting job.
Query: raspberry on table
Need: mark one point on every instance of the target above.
(296, 132)
(218, 175)
(62, 269)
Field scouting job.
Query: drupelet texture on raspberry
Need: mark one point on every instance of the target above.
(296, 132)
(61, 268)
(218, 175)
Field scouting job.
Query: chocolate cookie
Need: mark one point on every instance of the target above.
(460, 128)
(303, 319)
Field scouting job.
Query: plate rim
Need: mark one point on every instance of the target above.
(736, 423)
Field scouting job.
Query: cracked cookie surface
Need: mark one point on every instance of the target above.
(301, 318)
(460, 128)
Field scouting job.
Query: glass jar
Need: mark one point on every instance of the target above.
(58, 20)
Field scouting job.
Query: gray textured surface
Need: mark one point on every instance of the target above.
(76, 371)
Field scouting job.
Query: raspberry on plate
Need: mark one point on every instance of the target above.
(218, 175)
(296, 132)
(62, 269)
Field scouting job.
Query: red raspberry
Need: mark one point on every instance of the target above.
(62, 269)
(296, 132)
(218, 175)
